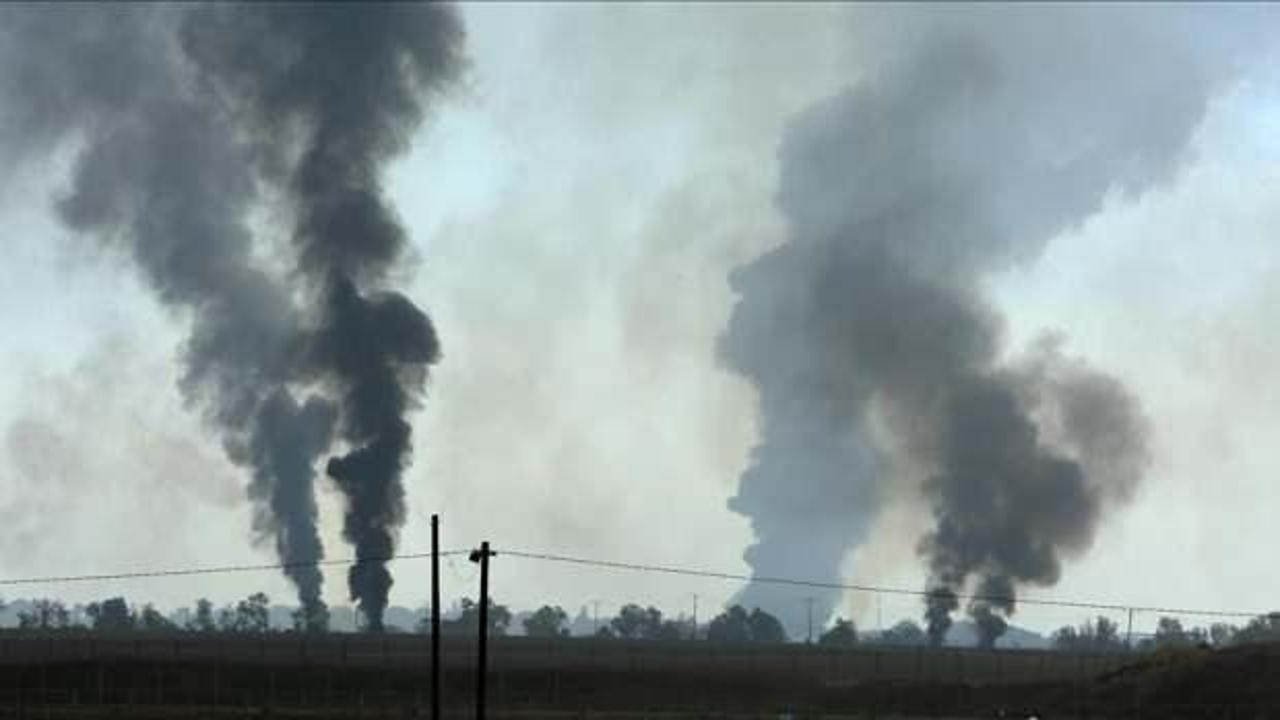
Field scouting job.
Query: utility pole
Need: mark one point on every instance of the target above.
(809, 603)
(435, 617)
(482, 556)
(1128, 640)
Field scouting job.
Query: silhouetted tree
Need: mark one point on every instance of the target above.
(469, 621)
(1170, 633)
(842, 634)
(1264, 628)
(203, 620)
(111, 615)
(1222, 634)
(227, 619)
(906, 632)
(1100, 635)
(1066, 637)
(635, 623)
(766, 628)
(547, 621)
(252, 614)
(736, 625)
(730, 626)
(674, 630)
(1106, 634)
(45, 614)
(151, 619)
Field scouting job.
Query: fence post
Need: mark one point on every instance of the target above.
(44, 672)
(386, 676)
(217, 674)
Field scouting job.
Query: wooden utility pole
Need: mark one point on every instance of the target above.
(482, 556)
(435, 617)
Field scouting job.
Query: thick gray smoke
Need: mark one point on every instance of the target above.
(283, 450)
(328, 95)
(992, 131)
(183, 117)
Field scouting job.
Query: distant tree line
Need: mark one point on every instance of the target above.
(632, 622)
(116, 615)
(1103, 635)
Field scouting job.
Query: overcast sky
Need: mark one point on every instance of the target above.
(575, 210)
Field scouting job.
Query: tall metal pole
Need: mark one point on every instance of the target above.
(435, 617)
(482, 556)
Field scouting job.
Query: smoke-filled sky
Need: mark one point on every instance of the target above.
(575, 207)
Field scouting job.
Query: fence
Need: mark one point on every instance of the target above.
(81, 674)
(403, 651)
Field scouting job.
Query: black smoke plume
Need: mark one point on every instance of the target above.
(940, 602)
(286, 442)
(981, 136)
(993, 603)
(329, 94)
(184, 120)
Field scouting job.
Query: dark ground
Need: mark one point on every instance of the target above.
(530, 681)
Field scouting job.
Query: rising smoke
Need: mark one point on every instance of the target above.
(186, 119)
(986, 134)
(342, 87)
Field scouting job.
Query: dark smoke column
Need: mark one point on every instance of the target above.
(813, 484)
(378, 349)
(332, 93)
(161, 179)
(978, 137)
(283, 448)
(182, 117)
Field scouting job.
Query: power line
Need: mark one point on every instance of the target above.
(738, 577)
(219, 569)
(637, 567)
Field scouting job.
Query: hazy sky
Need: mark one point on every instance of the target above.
(575, 210)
